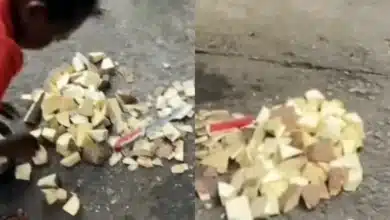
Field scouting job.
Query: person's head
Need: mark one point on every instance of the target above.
(40, 22)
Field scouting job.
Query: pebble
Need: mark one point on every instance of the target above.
(377, 134)
(166, 65)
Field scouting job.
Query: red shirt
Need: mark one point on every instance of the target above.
(11, 56)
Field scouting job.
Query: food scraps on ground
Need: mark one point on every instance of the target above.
(306, 149)
(74, 114)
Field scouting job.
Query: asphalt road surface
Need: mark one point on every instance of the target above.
(261, 52)
(147, 33)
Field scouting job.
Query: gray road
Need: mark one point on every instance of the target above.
(151, 32)
(261, 52)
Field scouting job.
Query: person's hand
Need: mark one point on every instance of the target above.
(9, 111)
(19, 215)
(22, 145)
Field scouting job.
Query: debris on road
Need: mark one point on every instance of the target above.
(307, 147)
(76, 116)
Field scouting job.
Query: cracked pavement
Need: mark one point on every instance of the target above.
(252, 53)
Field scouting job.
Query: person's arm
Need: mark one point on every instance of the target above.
(11, 61)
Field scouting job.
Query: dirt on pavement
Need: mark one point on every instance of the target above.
(252, 53)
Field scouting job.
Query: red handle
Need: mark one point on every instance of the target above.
(232, 124)
(127, 139)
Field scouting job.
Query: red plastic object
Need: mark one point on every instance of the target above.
(233, 124)
(127, 139)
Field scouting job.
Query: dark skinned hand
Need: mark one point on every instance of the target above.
(23, 146)
(9, 111)
(20, 215)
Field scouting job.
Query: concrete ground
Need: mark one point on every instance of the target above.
(150, 33)
(257, 52)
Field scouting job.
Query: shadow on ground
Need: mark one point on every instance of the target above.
(211, 85)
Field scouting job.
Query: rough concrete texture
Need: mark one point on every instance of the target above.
(257, 52)
(149, 32)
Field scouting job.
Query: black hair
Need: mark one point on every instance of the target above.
(72, 11)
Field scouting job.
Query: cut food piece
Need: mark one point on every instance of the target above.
(145, 162)
(179, 168)
(99, 135)
(61, 194)
(337, 178)
(350, 161)
(71, 160)
(355, 177)
(89, 79)
(264, 207)
(332, 107)
(171, 132)
(311, 196)
(62, 81)
(86, 108)
(23, 172)
(83, 138)
(184, 128)
(63, 118)
(263, 115)
(189, 88)
(36, 133)
(314, 94)
(292, 166)
(238, 208)
(143, 147)
(78, 119)
(226, 192)
(115, 158)
(73, 91)
(96, 155)
(77, 64)
(274, 188)
(48, 181)
(50, 195)
(302, 139)
(330, 127)
(41, 156)
(271, 176)
(314, 173)
(49, 134)
(275, 127)
(309, 121)
(287, 116)
(179, 150)
(50, 104)
(72, 206)
(349, 146)
(33, 115)
(164, 150)
(205, 188)
(63, 144)
(287, 151)
(115, 114)
(321, 151)
(219, 160)
(96, 56)
(299, 180)
(112, 141)
(290, 198)
(107, 64)
(323, 189)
